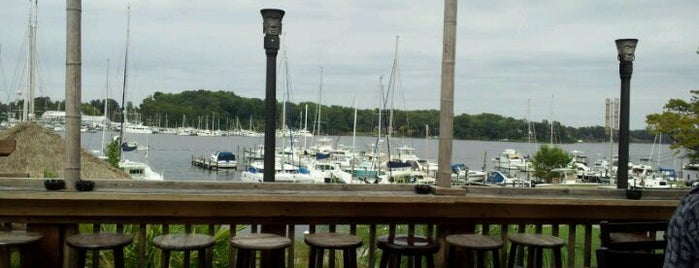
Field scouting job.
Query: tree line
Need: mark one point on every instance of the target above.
(226, 111)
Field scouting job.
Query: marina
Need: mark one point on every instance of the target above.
(173, 154)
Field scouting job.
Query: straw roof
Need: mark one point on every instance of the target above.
(39, 149)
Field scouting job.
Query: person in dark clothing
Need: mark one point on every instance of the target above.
(682, 249)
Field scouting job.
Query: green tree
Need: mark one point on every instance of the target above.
(679, 120)
(113, 153)
(547, 159)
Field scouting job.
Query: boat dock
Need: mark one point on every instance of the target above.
(208, 163)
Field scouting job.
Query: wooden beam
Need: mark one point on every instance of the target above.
(7, 147)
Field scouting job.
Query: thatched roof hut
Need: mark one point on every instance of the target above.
(41, 150)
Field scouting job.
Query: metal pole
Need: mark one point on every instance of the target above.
(622, 173)
(270, 105)
(446, 114)
(71, 170)
(272, 28)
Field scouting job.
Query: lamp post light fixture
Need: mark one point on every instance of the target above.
(272, 28)
(626, 49)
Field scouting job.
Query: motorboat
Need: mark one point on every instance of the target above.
(510, 160)
(223, 160)
(139, 170)
(460, 171)
(284, 172)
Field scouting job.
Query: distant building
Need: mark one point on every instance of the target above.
(60, 116)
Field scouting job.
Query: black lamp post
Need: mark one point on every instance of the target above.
(272, 28)
(626, 48)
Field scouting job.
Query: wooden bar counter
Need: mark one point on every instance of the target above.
(139, 202)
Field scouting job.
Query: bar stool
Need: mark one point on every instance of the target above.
(474, 242)
(412, 246)
(184, 242)
(319, 242)
(248, 245)
(99, 241)
(19, 240)
(535, 245)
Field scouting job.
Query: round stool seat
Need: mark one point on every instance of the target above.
(260, 241)
(535, 244)
(414, 247)
(474, 241)
(408, 245)
(319, 242)
(333, 240)
(179, 242)
(536, 240)
(15, 238)
(248, 244)
(98, 241)
(20, 240)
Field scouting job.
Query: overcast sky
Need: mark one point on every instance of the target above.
(557, 55)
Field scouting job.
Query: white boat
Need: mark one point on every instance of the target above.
(283, 173)
(328, 171)
(644, 176)
(500, 179)
(137, 129)
(223, 160)
(462, 173)
(139, 170)
(510, 160)
(568, 178)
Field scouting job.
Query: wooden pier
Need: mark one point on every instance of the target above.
(208, 163)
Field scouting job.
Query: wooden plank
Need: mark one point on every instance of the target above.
(7, 147)
(14, 175)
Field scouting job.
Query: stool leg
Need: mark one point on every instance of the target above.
(470, 259)
(557, 257)
(480, 259)
(5, 253)
(25, 258)
(95, 258)
(352, 258)
(531, 255)
(201, 256)
(451, 262)
(240, 260)
(430, 260)
(512, 257)
(185, 260)
(496, 258)
(165, 259)
(82, 254)
(278, 258)
(384, 260)
(318, 257)
(394, 261)
(119, 257)
(540, 257)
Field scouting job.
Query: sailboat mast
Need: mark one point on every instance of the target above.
(391, 89)
(106, 110)
(551, 125)
(320, 99)
(354, 126)
(123, 89)
(28, 105)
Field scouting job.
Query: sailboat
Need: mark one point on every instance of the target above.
(137, 170)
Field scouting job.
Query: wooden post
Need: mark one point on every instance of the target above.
(71, 166)
(446, 114)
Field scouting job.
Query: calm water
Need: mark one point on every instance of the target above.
(172, 154)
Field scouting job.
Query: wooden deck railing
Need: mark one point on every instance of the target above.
(142, 206)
